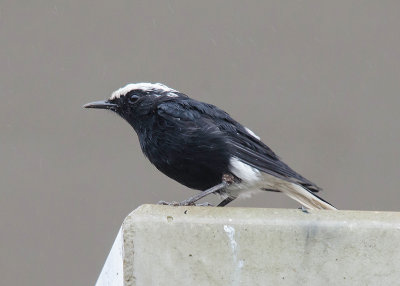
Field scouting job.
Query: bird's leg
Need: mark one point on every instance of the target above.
(227, 179)
(225, 202)
(192, 200)
(230, 179)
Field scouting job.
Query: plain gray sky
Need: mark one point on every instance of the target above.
(318, 81)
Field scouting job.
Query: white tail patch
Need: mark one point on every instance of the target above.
(294, 191)
(304, 197)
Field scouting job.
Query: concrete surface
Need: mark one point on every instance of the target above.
(162, 245)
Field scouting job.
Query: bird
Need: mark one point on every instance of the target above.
(202, 147)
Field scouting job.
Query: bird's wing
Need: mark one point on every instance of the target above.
(243, 144)
(255, 153)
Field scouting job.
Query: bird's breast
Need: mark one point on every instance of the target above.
(194, 160)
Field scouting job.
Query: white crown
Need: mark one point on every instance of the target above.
(145, 86)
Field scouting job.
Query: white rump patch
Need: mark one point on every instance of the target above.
(252, 133)
(243, 171)
(145, 86)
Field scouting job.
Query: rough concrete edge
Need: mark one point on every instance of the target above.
(128, 250)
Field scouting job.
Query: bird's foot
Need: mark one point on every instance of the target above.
(184, 203)
(204, 204)
(164, 203)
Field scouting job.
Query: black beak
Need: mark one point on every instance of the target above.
(102, 104)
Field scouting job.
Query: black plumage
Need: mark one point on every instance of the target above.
(194, 142)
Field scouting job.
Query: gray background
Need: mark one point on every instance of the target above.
(318, 81)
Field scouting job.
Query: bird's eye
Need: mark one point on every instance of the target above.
(133, 98)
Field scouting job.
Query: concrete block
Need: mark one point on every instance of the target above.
(163, 245)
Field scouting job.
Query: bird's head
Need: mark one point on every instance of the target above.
(136, 101)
